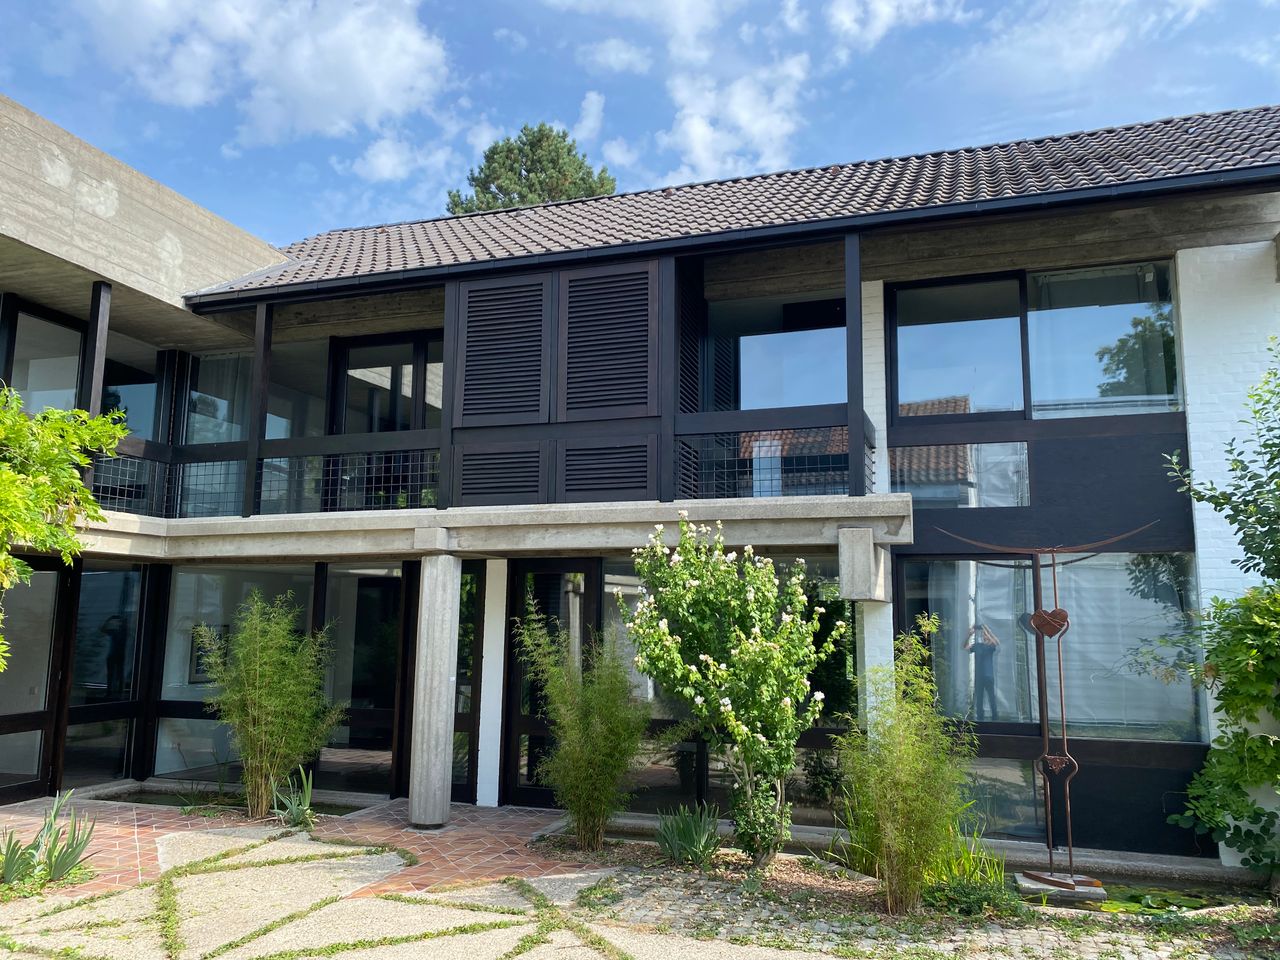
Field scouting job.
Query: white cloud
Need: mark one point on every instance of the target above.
(590, 117)
(864, 23)
(744, 126)
(615, 55)
(295, 67)
(619, 154)
(793, 16)
(513, 40)
(685, 23)
(482, 135)
(386, 159)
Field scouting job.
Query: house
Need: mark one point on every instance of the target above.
(415, 427)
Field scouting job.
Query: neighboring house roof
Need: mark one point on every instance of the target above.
(1112, 158)
(944, 463)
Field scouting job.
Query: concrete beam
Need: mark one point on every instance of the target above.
(434, 685)
(864, 566)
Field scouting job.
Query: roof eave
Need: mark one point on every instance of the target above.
(214, 300)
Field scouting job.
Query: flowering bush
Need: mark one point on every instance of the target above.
(720, 632)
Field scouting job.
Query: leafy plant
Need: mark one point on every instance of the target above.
(42, 492)
(17, 859)
(690, 835)
(62, 849)
(967, 879)
(269, 689)
(904, 778)
(293, 804)
(596, 724)
(736, 644)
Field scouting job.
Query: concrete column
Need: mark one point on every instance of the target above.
(493, 684)
(874, 624)
(865, 579)
(434, 684)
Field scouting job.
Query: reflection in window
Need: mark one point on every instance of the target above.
(959, 348)
(211, 595)
(296, 394)
(46, 364)
(20, 757)
(28, 616)
(1116, 659)
(961, 475)
(95, 752)
(106, 631)
(129, 383)
(379, 388)
(1102, 341)
(766, 352)
(620, 580)
(191, 749)
(218, 404)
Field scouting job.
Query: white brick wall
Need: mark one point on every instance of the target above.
(875, 388)
(1228, 307)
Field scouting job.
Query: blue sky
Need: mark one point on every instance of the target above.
(290, 117)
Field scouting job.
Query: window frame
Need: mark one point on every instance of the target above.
(339, 361)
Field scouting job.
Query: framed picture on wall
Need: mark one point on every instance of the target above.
(197, 669)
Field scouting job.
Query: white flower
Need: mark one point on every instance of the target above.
(786, 618)
(698, 700)
(659, 527)
(755, 631)
(683, 514)
(840, 624)
(675, 558)
(724, 702)
(731, 556)
(786, 701)
(723, 667)
(747, 551)
(819, 610)
(662, 624)
(819, 696)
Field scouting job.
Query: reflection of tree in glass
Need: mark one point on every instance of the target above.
(1142, 362)
(1165, 578)
(834, 676)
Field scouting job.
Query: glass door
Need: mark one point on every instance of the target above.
(29, 692)
(567, 592)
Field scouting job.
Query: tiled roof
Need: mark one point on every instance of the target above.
(1200, 144)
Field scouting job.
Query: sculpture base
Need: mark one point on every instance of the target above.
(1061, 888)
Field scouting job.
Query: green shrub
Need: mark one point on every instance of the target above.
(904, 777)
(293, 803)
(690, 835)
(56, 850)
(269, 678)
(17, 860)
(596, 724)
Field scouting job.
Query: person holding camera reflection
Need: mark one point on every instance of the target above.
(983, 645)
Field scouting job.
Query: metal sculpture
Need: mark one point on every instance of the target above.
(1053, 623)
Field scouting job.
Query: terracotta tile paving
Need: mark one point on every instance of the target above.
(478, 843)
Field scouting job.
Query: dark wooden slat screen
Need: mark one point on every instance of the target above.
(608, 343)
(488, 474)
(504, 352)
(621, 470)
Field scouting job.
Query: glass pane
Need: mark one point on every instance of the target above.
(95, 752)
(1006, 799)
(665, 776)
(959, 349)
(1102, 341)
(218, 406)
(961, 475)
(191, 749)
(46, 364)
(296, 394)
(212, 489)
(28, 624)
(211, 595)
(461, 757)
(435, 383)
(292, 485)
(467, 697)
(20, 757)
(766, 352)
(836, 675)
(621, 585)
(129, 383)
(379, 388)
(106, 630)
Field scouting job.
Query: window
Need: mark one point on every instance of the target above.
(767, 353)
(296, 394)
(46, 364)
(218, 404)
(381, 388)
(1102, 341)
(1131, 622)
(961, 475)
(129, 384)
(106, 633)
(959, 348)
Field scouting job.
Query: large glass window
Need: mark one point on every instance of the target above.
(211, 595)
(379, 388)
(767, 352)
(961, 475)
(218, 405)
(1102, 341)
(106, 631)
(129, 384)
(95, 752)
(196, 749)
(1131, 620)
(46, 364)
(296, 394)
(28, 615)
(959, 348)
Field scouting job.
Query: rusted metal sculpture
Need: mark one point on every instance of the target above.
(1055, 761)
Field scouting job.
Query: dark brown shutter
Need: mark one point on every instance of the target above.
(494, 473)
(692, 336)
(595, 470)
(503, 353)
(608, 342)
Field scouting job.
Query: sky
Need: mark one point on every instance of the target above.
(291, 117)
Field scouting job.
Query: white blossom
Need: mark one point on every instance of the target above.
(723, 667)
(819, 696)
(683, 514)
(698, 700)
(786, 701)
(662, 624)
(724, 702)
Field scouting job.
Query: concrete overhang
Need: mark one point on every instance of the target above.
(779, 523)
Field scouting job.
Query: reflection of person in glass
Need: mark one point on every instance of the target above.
(983, 644)
(114, 629)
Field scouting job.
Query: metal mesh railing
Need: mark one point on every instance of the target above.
(389, 480)
(213, 488)
(763, 463)
(131, 485)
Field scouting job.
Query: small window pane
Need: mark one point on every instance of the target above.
(296, 395)
(961, 475)
(46, 364)
(20, 757)
(28, 621)
(95, 752)
(106, 630)
(218, 405)
(435, 383)
(129, 383)
(959, 349)
(190, 749)
(1102, 342)
(379, 388)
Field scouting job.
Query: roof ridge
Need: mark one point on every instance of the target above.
(791, 171)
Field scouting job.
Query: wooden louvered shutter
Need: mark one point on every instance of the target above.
(608, 343)
(503, 353)
(495, 473)
(597, 470)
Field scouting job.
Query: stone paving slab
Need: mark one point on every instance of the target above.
(366, 919)
(178, 849)
(129, 906)
(486, 895)
(138, 940)
(565, 946)
(655, 946)
(294, 845)
(473, 946)
(564, 889)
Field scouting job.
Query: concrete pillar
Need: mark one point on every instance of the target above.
(874, 624)
(865, 579)
(493, 684)
(434, 688)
